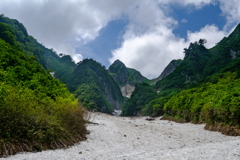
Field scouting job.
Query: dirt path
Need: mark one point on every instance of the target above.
(135, 138)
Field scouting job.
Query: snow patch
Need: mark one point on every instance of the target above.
(136, 138)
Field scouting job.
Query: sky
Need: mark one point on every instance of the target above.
(144, 34)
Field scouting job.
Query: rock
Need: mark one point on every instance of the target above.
(150, 119)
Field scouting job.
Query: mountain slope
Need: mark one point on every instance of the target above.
(61, 66)
(125, 77)
(28, 43)
(94, 87)
(199, 63)
(189, 71)
(48, 58)
(204, 87)
(36, 111)
(169, 69)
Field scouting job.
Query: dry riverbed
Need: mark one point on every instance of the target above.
(136, 138)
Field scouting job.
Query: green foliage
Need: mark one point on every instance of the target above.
(92, 98)
(141, 96)
(155, 107)
(63, 66)
(7, 34)
(34, 107)
(210, 103)
(28, 44)
(94, 87)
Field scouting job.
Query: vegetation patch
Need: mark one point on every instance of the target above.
(141, 96)
(224, 129)
(36, 111)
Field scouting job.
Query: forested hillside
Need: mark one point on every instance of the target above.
(203, 88)
(141, 96)
(94, 87)
(61, 66)
(36, 111)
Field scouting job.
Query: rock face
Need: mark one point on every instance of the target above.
(127, 90)
(125, 77)
(169, 69)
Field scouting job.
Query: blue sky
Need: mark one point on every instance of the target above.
(109, 38)
(196, 19)
(144, 34)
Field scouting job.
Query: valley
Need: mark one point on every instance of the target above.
(40, 111)
(136, 138)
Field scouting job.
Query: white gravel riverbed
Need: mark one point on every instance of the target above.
(135, 138)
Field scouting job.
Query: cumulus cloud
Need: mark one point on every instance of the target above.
(59, 23)
(148, 42)
(232, 12)
(150, 45)
(197, 3)
(210, 32)
(149, 53)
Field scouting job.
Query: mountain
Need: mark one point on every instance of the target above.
(125, 77)
(169, 69)
(200, 63)
(62, 66)
(94, 87)
(36, 111)
(190, 71)
(203, 88)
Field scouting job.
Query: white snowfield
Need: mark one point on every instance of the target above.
(135, 138)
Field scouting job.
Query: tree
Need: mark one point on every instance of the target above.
(202, 41)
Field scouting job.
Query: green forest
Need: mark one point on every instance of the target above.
(36, 111)
(94, 87)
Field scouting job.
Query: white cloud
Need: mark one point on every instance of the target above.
(151, 53)
(59, 24)
(197, 3)
(77, 57)
(148, 42)
(210, 32)
(230, 9)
